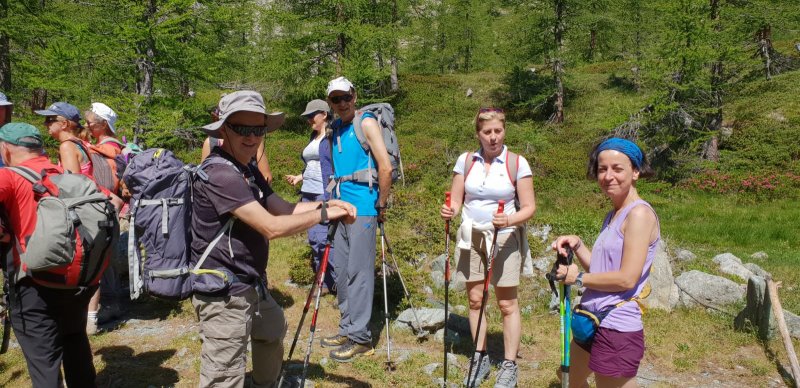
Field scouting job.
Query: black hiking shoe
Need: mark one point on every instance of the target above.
(350, 350)
(333, 341)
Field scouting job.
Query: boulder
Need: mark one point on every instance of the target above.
(732, 265)
(430, 319)
(664, 292)
(760, 255)
(698, 288)
(542, 232)
(437, 277)
(792, 323)
(758, 271)
(544, 263)
(438, 263)
(684, 255)
(758, 312)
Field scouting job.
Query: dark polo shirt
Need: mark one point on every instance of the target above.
(243, 251)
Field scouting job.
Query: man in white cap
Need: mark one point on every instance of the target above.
(236, 190)
(354, 257)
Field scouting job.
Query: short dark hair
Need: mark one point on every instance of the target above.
(645, 171)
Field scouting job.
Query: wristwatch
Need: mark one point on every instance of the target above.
(579, 280)
(323, 218)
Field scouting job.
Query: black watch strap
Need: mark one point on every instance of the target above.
(324, 213)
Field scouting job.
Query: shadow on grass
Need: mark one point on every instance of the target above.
(14, 376)
(786, 375)
(316, 373)
(124, 369)
(283, 300)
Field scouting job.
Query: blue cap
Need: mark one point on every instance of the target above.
(4, 100)
(63, 109)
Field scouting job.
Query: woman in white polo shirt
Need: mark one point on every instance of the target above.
(481, 179)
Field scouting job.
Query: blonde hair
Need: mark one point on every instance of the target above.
(487, 114)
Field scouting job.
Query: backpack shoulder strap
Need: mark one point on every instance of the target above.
(512, 166)
(112, 140)
(26, 173)
(469, 162)
(360, 131)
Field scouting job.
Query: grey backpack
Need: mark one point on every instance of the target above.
(384, 114)
(76, 230)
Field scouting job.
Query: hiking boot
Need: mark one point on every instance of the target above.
(480, 370)
(333, 341)
(108, 313)
(507, 375)
(350, 350)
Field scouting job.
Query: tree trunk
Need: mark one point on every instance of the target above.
(592, 43)
(395, 86)
(5, 59)
(558, 68)
(38, 99)
(341, 39)
(145, 63)
(764, 39)
(715, 123)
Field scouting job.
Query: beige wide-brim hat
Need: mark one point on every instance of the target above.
(243, 101)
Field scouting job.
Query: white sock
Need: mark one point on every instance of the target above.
(92, 316)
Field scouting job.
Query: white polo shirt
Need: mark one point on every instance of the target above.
(483, 191)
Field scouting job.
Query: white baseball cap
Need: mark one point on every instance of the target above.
(104, 112)
(341, 84)
(4, 100)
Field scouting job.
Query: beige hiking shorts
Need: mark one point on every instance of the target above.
(506, 267)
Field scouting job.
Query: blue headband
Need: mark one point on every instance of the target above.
(627, 147)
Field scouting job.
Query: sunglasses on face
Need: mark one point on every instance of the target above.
(343, 97)
(51, 119)
(487, 110)
(247, 130)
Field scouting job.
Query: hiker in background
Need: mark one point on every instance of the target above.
(316, 174)
(260, 159)
(480, 180)
(236, 191)
(6, 108)
(354, 256)
(617, 268)
(49, 323)
(101, 122)
(63, 122)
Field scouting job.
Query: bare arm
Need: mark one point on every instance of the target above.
(639, 229)
(305, 216)
(456, 198)
(206, 149)
(372, 131)
(263, 163)
(70, 157)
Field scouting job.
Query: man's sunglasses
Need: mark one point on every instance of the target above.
(487, 110)
(246, 130)
(343, 97)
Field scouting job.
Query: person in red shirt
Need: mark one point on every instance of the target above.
(49, 323)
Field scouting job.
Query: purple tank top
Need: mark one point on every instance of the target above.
(607, 257)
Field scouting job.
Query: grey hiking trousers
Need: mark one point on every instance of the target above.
(354, 264)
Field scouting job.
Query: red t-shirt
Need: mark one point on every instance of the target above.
(16, 197)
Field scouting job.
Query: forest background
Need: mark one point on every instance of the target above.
(709, 88)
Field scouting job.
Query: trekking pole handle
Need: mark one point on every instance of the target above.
(500, 206)
(447, 198)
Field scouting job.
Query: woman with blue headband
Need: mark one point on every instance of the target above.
(608, 336)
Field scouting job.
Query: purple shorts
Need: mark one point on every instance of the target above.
(615, 353)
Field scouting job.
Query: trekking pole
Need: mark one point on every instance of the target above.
(470, 381)
(446, 282)
(565, 311)
(326, 252)
(320, 278)
(419, 331)
(389, 364)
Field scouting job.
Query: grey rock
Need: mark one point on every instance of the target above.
(439, 382)
(438, 279)
(323, 361)
(701, 289)
(430, 319)
(452, 336)
(438, 263)
(684, 255)
(554, 302)
(430, 368)
(427, 290)
(758, 271)
(758, 311)
(732, 265)
(544, 263)
(542, 232)
(664, 292)
(182, 352)
(460, 309)
(792, 323)
(526, 310)
(452, 359)
(469, 92)
(760, 255)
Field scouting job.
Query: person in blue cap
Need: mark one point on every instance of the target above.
(63, 122)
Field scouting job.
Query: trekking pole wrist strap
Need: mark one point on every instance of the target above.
(323, 216)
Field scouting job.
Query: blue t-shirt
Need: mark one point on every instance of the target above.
(349, 157)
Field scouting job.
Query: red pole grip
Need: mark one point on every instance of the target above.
(447, 198)
(500, 206)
